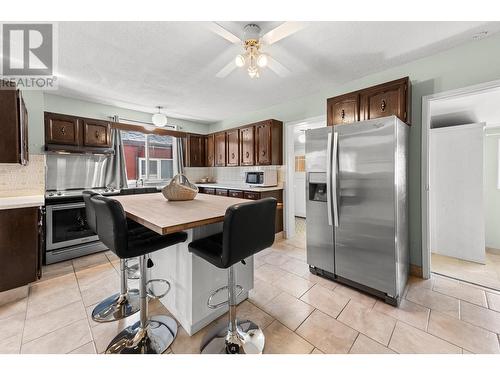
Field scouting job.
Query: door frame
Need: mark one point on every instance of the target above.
(425, 159)
(289, 206)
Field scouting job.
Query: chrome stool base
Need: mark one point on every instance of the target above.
(133, 272)
(247, 339)
(158, 335)
(117, 307)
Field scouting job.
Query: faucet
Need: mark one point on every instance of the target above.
(137, 182)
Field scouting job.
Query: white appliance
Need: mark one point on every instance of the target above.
(262, 178)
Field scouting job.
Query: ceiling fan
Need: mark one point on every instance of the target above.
(252, 56)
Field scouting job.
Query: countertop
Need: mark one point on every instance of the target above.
(7, 203)
(164, 217)
(239, 187)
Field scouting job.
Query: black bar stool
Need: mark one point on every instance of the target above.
(248, 228)
(124, 303)
(153, 335)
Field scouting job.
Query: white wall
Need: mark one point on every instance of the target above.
(299, 180)
(491, 190)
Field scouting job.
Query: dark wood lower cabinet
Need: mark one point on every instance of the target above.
(20, 247)
(221, 192)
(235, 194)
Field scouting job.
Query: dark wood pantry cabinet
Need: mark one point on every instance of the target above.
(14, 125)
(386, 99)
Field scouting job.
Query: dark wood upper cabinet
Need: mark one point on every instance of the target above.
(386, 99)
(96, 133)
(196, 150)
(233, 147)
(268, 143)
(14, 125)
(220, 149)
(247, 151)
(62, 129)
(260, 143)
(343, 109)
(20, 247)
(209, 151)
(76, 134)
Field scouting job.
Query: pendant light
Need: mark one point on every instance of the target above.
(159, 119)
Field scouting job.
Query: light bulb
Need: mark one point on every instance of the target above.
(262, 60)
(239, 61)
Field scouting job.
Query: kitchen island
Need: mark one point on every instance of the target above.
(192, 279)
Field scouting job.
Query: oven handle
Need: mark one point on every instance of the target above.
(66, 206)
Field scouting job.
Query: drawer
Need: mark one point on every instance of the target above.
(251, 195)
(235, 193)
(222, 192)
(209, 191)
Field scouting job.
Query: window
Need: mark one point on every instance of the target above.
(148, 156)
(159, 169)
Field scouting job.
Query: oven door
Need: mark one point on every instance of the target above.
(66, 225)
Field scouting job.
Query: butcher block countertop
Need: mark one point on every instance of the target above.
(164, 217)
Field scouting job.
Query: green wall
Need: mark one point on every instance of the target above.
(38, 102)
(491, 191)
(465, 65)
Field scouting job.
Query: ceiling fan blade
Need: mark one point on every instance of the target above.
(221, 31)
(277, 67)
(282, 31)
(224, 72)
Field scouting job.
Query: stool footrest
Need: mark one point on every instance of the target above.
(217, 291)
(151, 293)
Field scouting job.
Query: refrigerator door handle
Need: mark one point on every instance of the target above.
(329, 178)
(334, 195)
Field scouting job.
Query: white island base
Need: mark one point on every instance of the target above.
(193, 279)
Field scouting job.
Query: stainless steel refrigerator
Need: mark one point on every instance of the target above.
(357, 209)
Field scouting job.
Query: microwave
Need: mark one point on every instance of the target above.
(262, 178)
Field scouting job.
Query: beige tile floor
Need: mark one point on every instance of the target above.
(487, 275)
(299, 312)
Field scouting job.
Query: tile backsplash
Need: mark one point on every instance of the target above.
(18, 180)
(232, 175)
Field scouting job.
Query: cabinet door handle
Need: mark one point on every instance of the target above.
(342, 114)
(247, 154)
(62, 130)
(97, 134)
(263, 152)
(383, 104)
(232, 155)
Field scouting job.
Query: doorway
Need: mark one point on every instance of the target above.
(295, 192)
(461, 196)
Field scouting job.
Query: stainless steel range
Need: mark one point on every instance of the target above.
(67, 234)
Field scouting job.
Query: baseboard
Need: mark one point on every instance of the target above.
(14, 294)
(492, 250)
(416, 270)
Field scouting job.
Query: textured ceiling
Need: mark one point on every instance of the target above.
(139, 65)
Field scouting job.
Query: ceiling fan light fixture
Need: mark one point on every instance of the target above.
(262, 60)
(239, 61)
(159, 119)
